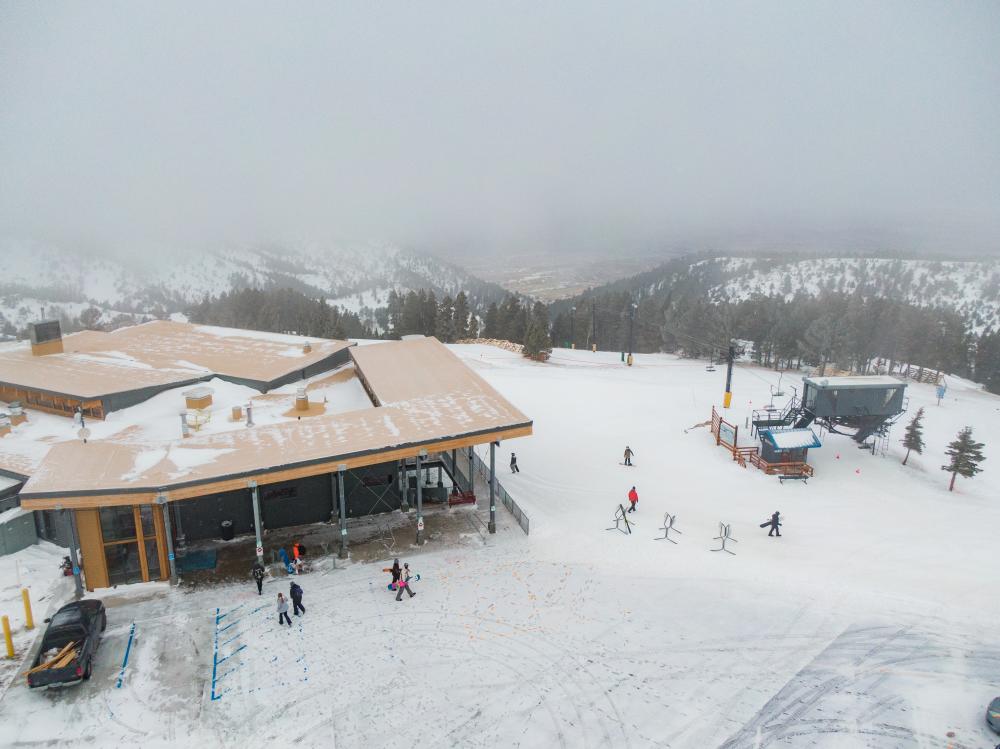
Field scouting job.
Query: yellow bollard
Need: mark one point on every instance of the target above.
(29, 622)
(727, 399)
(7, 638)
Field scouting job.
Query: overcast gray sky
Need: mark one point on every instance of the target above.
(503, 127)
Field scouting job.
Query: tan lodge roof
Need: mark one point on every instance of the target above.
(95, 364)
(431, 400)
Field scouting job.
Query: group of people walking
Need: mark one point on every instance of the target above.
(401, 579)
(295, 593)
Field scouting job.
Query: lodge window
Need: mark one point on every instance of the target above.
(117, 523)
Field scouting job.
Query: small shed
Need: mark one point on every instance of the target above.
(787, 445)
(837, 397)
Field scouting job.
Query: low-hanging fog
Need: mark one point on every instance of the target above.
(502, 127)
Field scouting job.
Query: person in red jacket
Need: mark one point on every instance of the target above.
(633, 497)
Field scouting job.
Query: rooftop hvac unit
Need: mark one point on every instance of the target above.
(198, 398)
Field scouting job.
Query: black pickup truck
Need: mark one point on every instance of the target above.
(79, 623)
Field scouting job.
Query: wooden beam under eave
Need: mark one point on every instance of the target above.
(267, 477)
(88, 502)
(319, 469)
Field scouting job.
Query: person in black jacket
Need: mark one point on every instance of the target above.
(296, 593)
(775, 523)
(396, 569)
(258, 576)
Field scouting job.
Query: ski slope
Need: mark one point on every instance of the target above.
(870, 623)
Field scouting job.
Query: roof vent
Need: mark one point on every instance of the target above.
(46, 338)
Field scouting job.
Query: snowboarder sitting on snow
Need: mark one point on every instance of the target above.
(296, 593)
(258, 576)
(633, 498)
(628, 455)
(404, 583)
(775, 523)
(513, 464)
(283, 610)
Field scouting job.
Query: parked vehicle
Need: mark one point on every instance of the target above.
(993, 715)
(69, 645)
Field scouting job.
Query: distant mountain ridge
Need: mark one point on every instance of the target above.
(357, 278)
(970, 288)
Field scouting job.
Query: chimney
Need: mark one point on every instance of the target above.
(46, 338)
(301, 400)
(237, 413)
(185, 429)
(306, 347)
(250, 414)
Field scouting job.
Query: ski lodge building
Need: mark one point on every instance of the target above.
(164, 432)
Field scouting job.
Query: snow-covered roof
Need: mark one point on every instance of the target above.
(427, 394)
(853, 381)
(791, 439)
(159, 353)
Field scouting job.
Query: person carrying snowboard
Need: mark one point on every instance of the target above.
(296, 593)
(258, 576)
(513, 464)
(404, 583)
(633, 498)
(396, 571)
(775, 523)
(628, 455)
(283, 611)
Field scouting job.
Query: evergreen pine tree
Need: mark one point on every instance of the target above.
(461, 316)
(491, 325)
(966, 454)
(914, 439)
(444, 326)
(537, 343)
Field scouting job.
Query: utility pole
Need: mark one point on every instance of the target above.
(593, 327)
(572, 327)
(631, 320)
(728, 397)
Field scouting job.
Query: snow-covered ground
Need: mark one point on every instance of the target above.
(870, 623)
(36, 569)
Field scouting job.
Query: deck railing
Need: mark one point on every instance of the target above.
(480, 467)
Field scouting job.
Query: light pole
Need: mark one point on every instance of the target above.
(572, 327)
(631, 319)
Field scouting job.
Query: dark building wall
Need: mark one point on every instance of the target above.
(53, 525)
(371, 490)
(201, 517)
(118, 401)
(308, 500)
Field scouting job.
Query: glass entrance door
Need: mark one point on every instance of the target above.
(130, 548)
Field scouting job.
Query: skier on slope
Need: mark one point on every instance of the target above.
(296, 593)
(283, 611)
(628, 455)
(775, 523)
(404, 583)
(258, 576)
(513, 464)
(633, 498)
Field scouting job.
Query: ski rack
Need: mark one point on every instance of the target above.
(668, 525)
(725, 534)
(619, 519)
